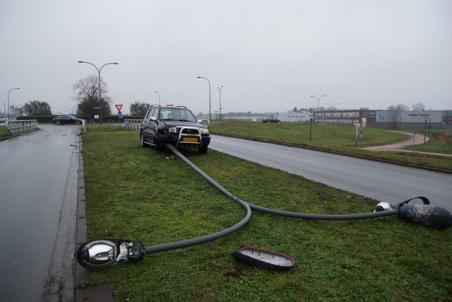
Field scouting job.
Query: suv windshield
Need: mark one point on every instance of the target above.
(176, 114)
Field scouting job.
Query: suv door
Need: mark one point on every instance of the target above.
(153, 123)
(146, 125)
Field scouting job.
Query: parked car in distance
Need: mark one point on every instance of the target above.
(270, 120)
(175, 125)
(67, 119)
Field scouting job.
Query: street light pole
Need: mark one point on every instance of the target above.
(318, 100)
(9, 91)
(98, 73)
(210, 100)
(219, 90)
(158, 93)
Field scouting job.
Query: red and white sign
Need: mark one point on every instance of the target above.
(118, 107)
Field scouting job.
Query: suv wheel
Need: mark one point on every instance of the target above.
(142, 143)
(203, 149)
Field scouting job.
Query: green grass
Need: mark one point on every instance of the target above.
(332, 138)
(3, 132)
(137, 193)
(440, 142)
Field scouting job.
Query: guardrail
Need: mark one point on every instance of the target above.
(21, 127)
(132, 124)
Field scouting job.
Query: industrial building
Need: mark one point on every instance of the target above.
(394, 119)
(295, 116)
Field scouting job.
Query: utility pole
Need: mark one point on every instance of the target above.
(210, 98)
(9, 91)
(99, 85)
(219, 90)
(158, 93)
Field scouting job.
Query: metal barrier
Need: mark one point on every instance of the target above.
(132, 124)
(21, 127)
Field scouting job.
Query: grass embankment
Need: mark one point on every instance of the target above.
(3, 132)
(440, 142)
(335, 138)
(136, 193)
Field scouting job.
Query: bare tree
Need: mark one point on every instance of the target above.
(89, 87)
(418, 107)
(87, 93)
(37, 108)
(395, 114)
(139, 109)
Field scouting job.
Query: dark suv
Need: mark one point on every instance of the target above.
(174, 125)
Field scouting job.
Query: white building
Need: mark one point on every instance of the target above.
(296, 117)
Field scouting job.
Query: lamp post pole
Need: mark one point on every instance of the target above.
(99, 85)
(158, 93)
(210, 99)
(318, 100)
(9, 91)
(219, 90)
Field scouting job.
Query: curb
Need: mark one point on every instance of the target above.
(80, 272)
(60, 281)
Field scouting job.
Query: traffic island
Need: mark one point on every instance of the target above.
(138, 193)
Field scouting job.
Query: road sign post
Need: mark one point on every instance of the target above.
(119, 107)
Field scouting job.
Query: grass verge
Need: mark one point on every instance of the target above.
(331, 138)
(137, 193)
(3, 132)
(440, 142)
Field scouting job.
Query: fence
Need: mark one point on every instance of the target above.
(21, 127)
(132, 124)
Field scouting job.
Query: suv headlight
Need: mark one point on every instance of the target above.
(172, 130)
(204, 131)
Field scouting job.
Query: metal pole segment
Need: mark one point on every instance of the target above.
(99, 83)
(210, 98)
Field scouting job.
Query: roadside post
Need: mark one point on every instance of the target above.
(96, 116)
(359, 129)
(310, 129)
(356, 136)
(426, 126)
(119, 107)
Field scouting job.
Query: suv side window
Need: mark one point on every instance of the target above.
(155, 112)
(146, 117)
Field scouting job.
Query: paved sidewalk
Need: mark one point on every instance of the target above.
(415, 139)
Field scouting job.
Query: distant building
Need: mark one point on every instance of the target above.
(295, 116)
(395, 119)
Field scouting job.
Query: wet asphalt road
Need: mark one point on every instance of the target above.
(381, 181)
(34, 171)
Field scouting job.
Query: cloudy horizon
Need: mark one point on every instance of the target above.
(269, 55)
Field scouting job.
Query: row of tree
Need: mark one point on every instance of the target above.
(87, 94)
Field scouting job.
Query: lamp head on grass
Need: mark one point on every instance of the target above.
(109, 252)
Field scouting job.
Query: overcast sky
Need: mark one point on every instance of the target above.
(269, 55)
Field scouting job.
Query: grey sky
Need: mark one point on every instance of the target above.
(269, 55)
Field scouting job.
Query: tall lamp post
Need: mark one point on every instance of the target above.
(318, 100)
(98, 73)
(9, 91)
(158, 93)
(333, 104)
(219, 90)
(210, 100)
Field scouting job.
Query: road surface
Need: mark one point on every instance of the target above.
(377, 180)
(37, 188)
